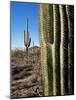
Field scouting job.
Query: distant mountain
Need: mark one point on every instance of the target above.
(35, 47)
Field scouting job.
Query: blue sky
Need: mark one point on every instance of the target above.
(19, 12)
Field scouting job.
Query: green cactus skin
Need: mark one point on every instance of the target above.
(44, 51)
(27, 39)
(56, 51)
(64, 51)
(50, 68)
(53, 50)
(49, 46)
(57, 58)
(70, 16)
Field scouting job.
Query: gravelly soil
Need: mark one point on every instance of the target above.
(26, 76)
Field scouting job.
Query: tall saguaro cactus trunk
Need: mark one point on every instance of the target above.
(57, 48)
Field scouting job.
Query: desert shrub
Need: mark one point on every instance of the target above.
(18, 53)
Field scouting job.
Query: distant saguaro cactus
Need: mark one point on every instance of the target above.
(27, 39)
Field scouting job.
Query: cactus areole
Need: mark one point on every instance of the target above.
(27, 39)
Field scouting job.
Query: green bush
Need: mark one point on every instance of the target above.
(18, 53)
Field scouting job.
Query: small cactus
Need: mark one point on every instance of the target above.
(33, 51)
(33, 44)
(27, 39)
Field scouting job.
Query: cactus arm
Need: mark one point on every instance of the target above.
(24, 37)
(29, 42)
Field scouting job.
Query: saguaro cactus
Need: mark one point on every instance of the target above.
(57, 48)
(27, 39)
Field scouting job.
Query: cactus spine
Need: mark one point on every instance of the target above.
(27, 39)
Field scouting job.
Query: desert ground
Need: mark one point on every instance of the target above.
(26, 73)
